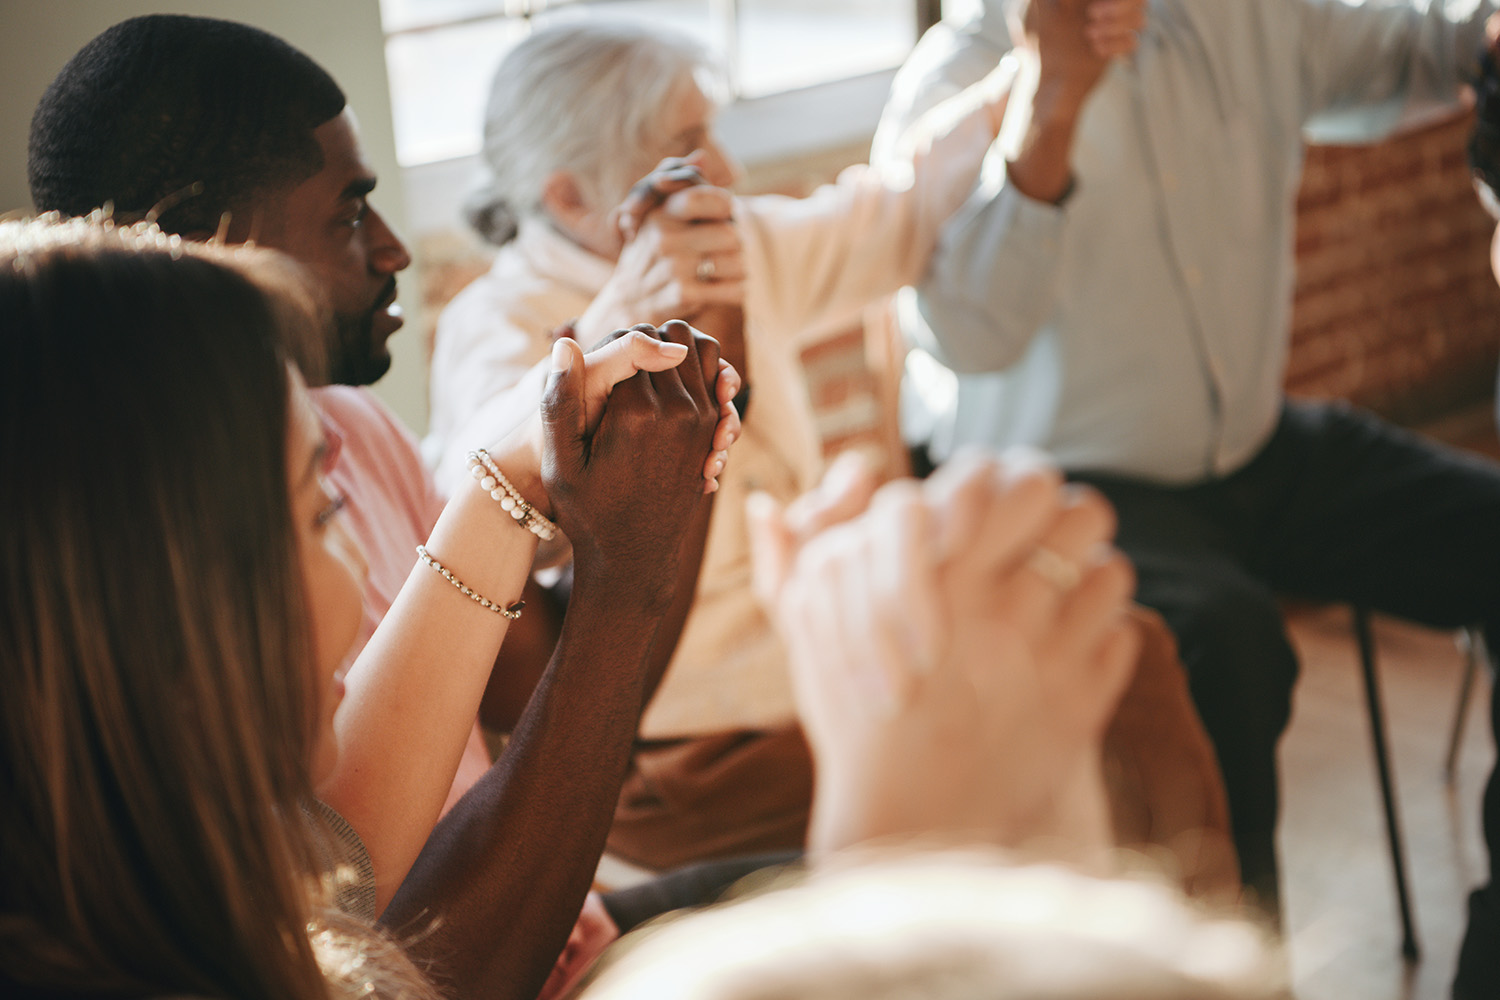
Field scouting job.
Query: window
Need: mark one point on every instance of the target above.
(442, 53)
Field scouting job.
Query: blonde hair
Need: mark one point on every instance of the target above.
(159, 712)
(588, 98)
(950, 926)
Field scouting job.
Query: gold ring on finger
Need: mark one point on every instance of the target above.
(1062, 573)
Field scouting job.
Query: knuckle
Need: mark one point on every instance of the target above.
(708, 348)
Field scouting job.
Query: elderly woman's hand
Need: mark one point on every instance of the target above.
(647, 194)
(957, 651)
(684, 256)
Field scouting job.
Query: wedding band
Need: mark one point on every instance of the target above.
(1053, 568)
(706, 269)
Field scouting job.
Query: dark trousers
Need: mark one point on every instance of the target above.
(1338, 506)
(694, 885)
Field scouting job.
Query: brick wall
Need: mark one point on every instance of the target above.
(1395, 305)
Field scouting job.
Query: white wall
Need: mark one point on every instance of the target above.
(38, 36)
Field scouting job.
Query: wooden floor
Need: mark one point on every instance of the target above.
(1342, 925)
(1339, 896)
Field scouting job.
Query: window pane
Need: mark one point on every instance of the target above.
(440, 73)
(787, 44)
(440, 81)
(402, 15)
(691, 17)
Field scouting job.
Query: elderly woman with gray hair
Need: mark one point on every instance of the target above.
(577, 112)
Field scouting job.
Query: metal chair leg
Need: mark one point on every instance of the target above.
(1366, 642)
(1473, 644)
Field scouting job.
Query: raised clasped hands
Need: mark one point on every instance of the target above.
(625, 469)
(958, 648)
(680, 252)
(1076, 39)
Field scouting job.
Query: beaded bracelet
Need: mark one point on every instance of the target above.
(493, 482)
(513, 612)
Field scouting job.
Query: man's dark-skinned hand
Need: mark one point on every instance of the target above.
(675, 173)
(622, 492)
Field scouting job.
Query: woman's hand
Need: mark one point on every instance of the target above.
(957, 651)
(681, 253)
(623, 488)
(622, 354)
(647, 194)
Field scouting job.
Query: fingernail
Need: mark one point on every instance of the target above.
(669, 347)
(562, 356)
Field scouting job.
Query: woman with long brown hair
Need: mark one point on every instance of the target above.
(179, 594)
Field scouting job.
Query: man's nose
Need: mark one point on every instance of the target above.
(387, 253)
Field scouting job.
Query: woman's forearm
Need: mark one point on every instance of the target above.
(414, 692)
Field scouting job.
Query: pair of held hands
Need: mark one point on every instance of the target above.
(621, 439)
(1076, 39)
(680, 252)
(957, 646)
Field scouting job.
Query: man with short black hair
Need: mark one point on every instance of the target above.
(212, 128)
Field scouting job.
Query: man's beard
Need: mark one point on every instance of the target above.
(357, 358)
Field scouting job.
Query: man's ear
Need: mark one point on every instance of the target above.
(563, 199)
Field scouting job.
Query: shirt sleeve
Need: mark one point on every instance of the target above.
(1368, 68)
(993, 277)
(825, 257)
(487, 376)
(952, 55)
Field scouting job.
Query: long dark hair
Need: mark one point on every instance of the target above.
(158, 710)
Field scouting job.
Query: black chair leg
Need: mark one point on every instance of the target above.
(1473, 645)
(1366, 642)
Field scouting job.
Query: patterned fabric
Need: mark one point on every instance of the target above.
(346, 862)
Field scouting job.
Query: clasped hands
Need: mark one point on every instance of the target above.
(1076, 39)
(680, 252)
(957, 647)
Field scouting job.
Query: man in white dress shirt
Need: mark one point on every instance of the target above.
(1122, 276)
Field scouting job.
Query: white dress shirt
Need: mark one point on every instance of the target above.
(1142, 327)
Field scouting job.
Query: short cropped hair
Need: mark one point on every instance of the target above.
(180, 119)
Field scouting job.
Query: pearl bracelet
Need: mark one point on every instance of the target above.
(513, 612)
(493, 482)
